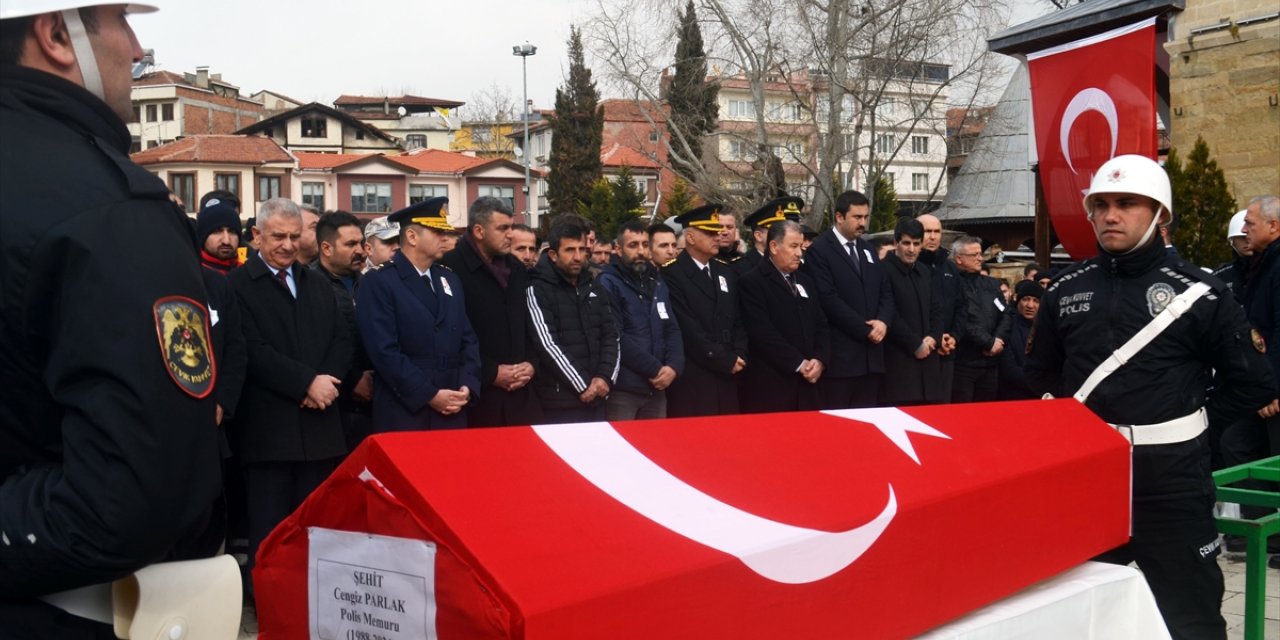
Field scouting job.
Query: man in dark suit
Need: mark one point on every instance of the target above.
(288, 435)
(495, 283)
(704, 293)
(857, 301)
(413, 320)
(787, 332)
(913, 370)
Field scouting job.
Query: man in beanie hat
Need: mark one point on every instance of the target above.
(218, 232)
(1012, 381)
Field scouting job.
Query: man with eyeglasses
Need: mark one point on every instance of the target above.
(981, 327)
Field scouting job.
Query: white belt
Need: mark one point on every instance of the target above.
(92, 602)
(1175, 430)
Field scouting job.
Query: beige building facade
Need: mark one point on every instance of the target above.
(1224, 70)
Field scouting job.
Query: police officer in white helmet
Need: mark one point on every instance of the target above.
(108, 451)
(1167, 324)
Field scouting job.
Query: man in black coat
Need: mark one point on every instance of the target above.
(495, 283)
(289, 435)
(758, 223)
(704, 293)
(573, 327)
(981, 325)
(913, 371)
(108, 450)
(341, 261)
(786, 330)
(946, 279)
(858, 304)
(1013, 380)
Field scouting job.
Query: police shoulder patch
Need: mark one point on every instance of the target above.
(1258, 342)
(182, 324)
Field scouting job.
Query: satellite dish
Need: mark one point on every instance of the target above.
(519, 152)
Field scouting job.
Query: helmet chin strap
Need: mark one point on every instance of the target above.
(1146, 237)
(84, 53)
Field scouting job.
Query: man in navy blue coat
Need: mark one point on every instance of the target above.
(413, 320)
(857, 301)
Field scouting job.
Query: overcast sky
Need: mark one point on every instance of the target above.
(318, 50)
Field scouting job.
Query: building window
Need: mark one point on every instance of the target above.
(359, 134)
(166, 112)
(137, 113)
(481, 135)
(741, 150)
(919, 144)
(151, 113)
(919, 182)
(655, 136)
(885, 111)
(371, 197)
(642, 185)
(268, 188)
(183, 185)
(789, 152)
(504, 193)
(227, 182)
(420, 192)
(742, 109)
(885, 143)
(416, 141)
(314, 127)
(313, 194)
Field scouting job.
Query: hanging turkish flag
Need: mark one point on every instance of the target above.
(1092, 100)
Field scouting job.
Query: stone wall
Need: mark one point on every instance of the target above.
(1225, 86)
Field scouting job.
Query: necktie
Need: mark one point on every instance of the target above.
(707, 270)
(283, 276)
(853, 253)
(791, 282)
(431, 292)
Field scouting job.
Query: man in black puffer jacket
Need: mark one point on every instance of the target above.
(572, 326)
(981, 326)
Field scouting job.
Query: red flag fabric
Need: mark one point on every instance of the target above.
(875, 523)
(1092, 100)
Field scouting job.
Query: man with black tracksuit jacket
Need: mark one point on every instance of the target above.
(651, 343)
(1157, 397)
(981, 326)
(946, 280)
(108, 449)
(573, 330)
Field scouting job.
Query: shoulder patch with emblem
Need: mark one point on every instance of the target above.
(1258, 342)
(1159, 295)
(182, 324)
(729, 261)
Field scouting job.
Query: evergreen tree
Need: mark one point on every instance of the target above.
(680, 199)
(627, 201)
(577, 129)
(884, 205)
(1202, 206)
(597, 207)
(694, 109)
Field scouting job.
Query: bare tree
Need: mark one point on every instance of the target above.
(490, 115)
(836, 88)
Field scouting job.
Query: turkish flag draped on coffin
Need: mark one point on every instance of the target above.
(876, 523)
(1092, 100)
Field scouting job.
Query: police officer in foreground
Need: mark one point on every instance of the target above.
(108, 450)
(1157, 399)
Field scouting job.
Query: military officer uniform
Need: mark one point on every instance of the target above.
(776, 210)
(706, 306)
(417, 334)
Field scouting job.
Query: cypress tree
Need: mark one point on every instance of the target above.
(679, 200)
(577, 129)
(1202, 206)
(694, 110)
(884, 205)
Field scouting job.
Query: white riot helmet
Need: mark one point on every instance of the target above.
(75, 27)
(1138, 175)
(1235, 228)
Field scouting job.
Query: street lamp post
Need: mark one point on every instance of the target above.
(524, 51)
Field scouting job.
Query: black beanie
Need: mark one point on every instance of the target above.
(214, 216)
(1028, 288)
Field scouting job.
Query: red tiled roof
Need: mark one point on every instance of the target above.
(618, 155)
(310, 160)
(972, 120)
(226, 149)
(617, 110)
(396, 101)
(161, 77)
(438, 161)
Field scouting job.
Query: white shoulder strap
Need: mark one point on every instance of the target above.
(1142, 338)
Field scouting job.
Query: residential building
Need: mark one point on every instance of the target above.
(273, 103)
(416, 122)
(318, 128)
(374, 184)
(168, 106)
(964, 125)
(254, 168)
(487, 138)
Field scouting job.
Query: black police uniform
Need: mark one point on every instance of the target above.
(108, 450)
(1085, 316)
